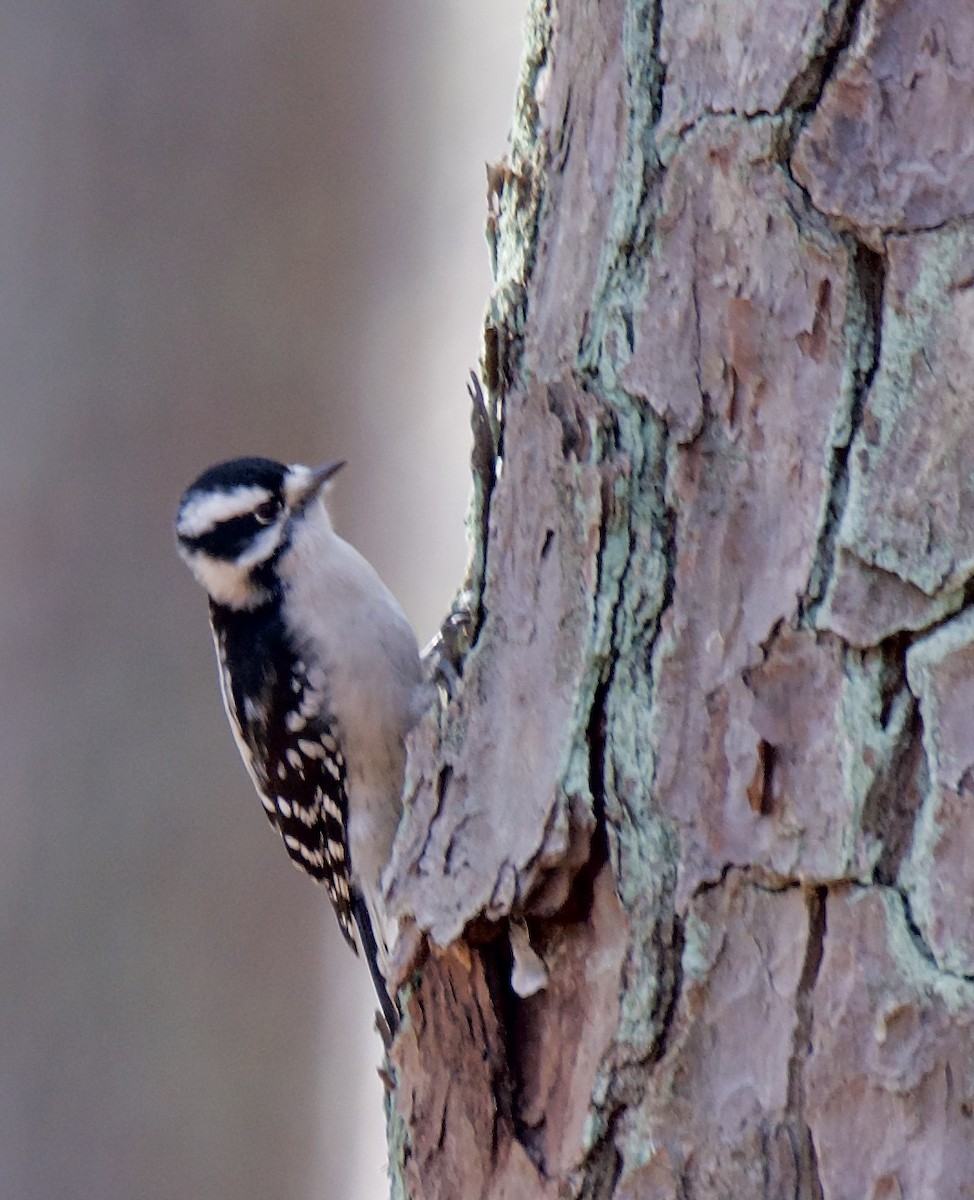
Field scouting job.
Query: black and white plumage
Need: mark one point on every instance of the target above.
(321, 678)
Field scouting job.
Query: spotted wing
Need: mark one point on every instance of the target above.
(284, 735)
(310, 811)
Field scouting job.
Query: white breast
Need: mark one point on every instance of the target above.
(357, 634)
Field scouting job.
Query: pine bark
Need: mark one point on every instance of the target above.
(712, 756)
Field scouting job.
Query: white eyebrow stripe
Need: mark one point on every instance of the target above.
(204, 512)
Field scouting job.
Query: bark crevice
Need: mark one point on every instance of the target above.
(864, 334)
(841, 22)
(809, 1183)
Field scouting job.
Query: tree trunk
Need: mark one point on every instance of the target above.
(712, 759)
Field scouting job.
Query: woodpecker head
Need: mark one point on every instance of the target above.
(238, 517)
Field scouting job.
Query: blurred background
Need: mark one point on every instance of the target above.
(225, 228)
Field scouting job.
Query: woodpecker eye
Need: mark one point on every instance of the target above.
(267, 511)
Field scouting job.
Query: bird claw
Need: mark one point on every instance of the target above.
(443, 657)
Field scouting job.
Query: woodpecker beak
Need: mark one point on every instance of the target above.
(303, 484)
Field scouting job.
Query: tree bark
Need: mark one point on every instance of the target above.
(712, 754)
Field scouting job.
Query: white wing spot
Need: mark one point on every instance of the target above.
(283, 807)
(331, 808)
(307, 816)
(292, 843)
(310, 749)
(294, 758)
(281, 771)
(336, 850)
(333, 767)
(315, 857)
(267, 803)
(294, 721)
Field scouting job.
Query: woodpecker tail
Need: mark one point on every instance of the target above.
(370, 952)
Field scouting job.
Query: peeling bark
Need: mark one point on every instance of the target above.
(710, 754)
